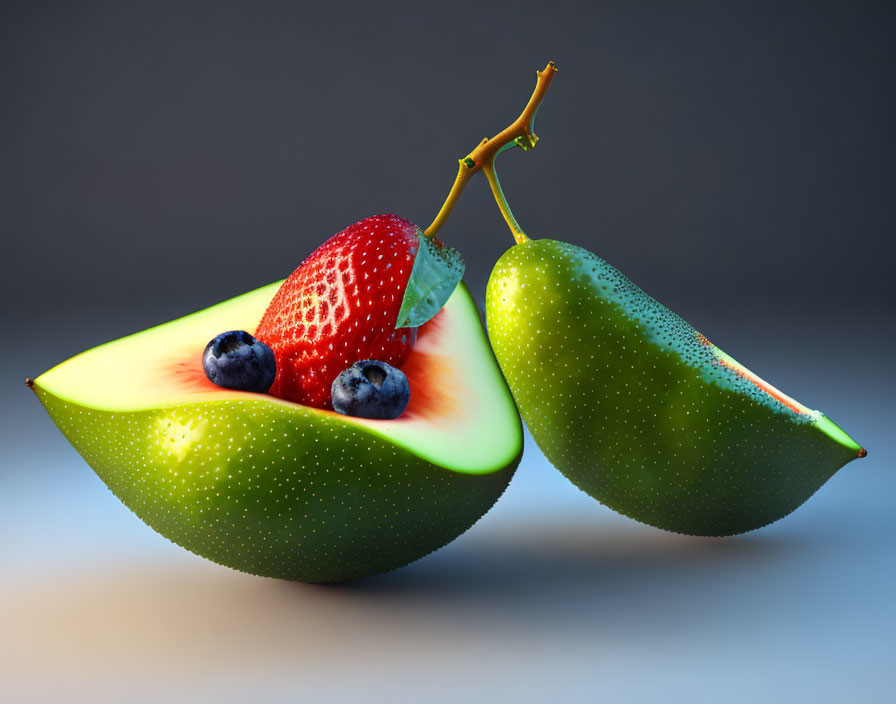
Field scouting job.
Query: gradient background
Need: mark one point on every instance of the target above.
(736, 160)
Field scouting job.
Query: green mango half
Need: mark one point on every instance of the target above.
(282, 490)
(641, 411)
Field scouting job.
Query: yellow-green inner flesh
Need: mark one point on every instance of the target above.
(468, 422)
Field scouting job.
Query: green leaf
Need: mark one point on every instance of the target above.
(437, 271)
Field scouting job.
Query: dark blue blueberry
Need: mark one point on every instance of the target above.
(371, 389)
(236, 360)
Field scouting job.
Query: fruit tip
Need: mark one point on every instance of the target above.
(29, 382)
(863, 452)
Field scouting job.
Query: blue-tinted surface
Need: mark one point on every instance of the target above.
(550, 596)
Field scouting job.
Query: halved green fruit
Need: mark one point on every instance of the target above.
(641, 411)
(282, 490)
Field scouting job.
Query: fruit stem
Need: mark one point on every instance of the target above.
(520, 133)
(492, 176)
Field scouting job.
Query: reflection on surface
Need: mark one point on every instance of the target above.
(477, 599)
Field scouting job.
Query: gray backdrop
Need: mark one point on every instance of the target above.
(737, 157)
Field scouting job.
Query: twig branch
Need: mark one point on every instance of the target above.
(520, 133)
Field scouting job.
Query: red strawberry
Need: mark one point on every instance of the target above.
(340, 306)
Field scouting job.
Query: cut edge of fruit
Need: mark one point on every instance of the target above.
(440, 425)
(836, 433)
(818, 419)
(730, 363)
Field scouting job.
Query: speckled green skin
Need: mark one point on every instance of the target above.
(623, 397)
(276, 491)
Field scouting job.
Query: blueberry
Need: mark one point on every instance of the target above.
(236, 360)
(371, 389)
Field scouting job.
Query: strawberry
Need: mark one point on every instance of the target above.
(341, 306)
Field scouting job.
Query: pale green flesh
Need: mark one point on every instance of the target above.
(471, 426)
(836, 433)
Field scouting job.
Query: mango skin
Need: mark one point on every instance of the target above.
(631, 404)
(276, 491)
